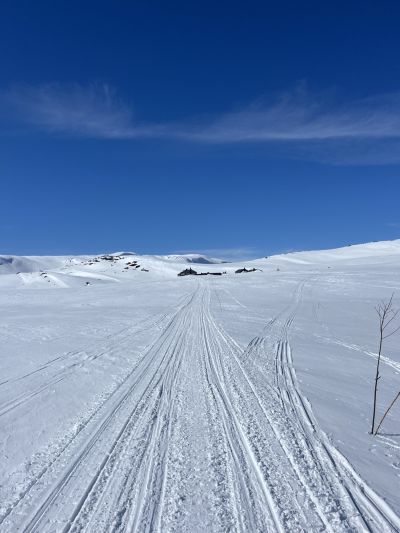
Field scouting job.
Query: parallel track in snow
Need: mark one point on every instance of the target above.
(203, 436)
(328, 479)
(89, 432)
(63, 366)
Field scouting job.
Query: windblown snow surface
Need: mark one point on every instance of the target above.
(135, 400)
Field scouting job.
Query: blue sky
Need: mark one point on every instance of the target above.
(236, 129)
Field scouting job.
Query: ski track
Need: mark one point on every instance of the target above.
(64, 365)
(355, 347)
(331, 338)
(201, 436)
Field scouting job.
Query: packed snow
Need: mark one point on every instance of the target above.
(134, 399)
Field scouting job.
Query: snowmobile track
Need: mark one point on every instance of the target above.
(203, 436)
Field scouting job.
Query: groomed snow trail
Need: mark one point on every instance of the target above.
(201, 437)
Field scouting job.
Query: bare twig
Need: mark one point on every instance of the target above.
(386, 412)
(386, 315)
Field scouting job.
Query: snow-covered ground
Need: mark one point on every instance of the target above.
(132, 399)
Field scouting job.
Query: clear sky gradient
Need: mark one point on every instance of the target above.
(237, 129)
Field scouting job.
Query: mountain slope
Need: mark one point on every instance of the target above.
(145, 401)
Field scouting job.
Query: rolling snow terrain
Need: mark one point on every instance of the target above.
(135, 400)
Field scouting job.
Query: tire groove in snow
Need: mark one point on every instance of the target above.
(203, 436)
(359, 509)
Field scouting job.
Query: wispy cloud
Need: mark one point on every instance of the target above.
(297, 123)
(313, 127)
(300, 116)
(91, 111)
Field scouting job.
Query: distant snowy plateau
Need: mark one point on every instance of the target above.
(133, 399)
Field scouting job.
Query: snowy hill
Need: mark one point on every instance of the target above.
(379, 251)
(192, 258)
(64, 271)
(132, 399)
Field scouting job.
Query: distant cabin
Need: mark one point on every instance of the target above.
(241, 270)
(188, 272)
(191, 272)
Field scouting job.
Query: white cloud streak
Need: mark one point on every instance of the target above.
(297, 124)
(92, 111)
(299, 117)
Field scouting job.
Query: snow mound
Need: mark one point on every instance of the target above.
(10, 264)
(193, 258)
(68, 271)
(372, 251)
